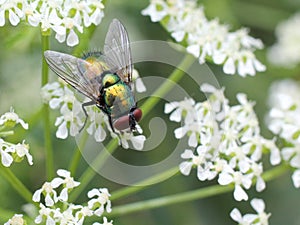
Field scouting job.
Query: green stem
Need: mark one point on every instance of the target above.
(16, 183)
(163, 89)
(171, 199)
(188, 196)
(143, 184)
(77, 154)
(46, 116)
(90, 172)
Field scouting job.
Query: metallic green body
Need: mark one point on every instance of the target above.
(118, 97)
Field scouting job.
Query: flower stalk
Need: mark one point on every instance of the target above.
(187, 196)
(46, 114)
(15, 183)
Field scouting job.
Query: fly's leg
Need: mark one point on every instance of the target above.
(132, 121)
(85, 112)
(110, 123)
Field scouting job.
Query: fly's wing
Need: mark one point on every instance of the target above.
(117, 51)
(80, 74)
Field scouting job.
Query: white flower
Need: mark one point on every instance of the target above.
(247, 219)
(286, 51)
(228, 176)
(202, 160)
(99, 197)
(14, 152)
(52, 92)
(98, 123)
(22, 150)
(261, 218)
(14, 12)
(259, 206)
(70, 108)
(67, 181)
(296, 178)
(64, 17)
(228, 140)
(17, 219)
(283, 120)
(48, 191)
(10, 119)
(138, 83)
(205, 38)
(177, 109)
(136, 140)
(6, 158)
(105, 222)
(47, 213)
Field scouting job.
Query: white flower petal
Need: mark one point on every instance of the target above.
(72, 38)
(239, 193)
(185, 168)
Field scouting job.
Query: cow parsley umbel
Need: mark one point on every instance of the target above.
(283, 120)
(207, 39)
(55, 192)
(224, 141)
(65, 17)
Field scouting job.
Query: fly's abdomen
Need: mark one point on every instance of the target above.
(119, 99)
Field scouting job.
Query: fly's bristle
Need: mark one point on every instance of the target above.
(95, 53)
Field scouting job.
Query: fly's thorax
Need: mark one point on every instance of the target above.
(119, 99)
(109, 79)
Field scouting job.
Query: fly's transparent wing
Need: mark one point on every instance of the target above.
(80, 74)
(117, 51)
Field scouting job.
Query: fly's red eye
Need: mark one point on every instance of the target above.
(123, 123)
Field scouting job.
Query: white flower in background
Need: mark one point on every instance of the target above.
(98, 122)
(48, 192)
(283, 120)
(227, 139)
(286, 51)
(105, 222)
(67, 181)
(47, 214)
(64, 17)
(207, 39)
(260, 218)
(14, 12)
(17, 219)
(6, 158)
(10, 152)
(57, 209)
(99, 201)
(137, 141)
(10, 119)
(21, 150)
(137, 81)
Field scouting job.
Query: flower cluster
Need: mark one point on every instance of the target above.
(283, 120)
(16, 219)
(71, 121)
(70, 213)
(207, 39)
(64, 17)
(227, 140)
(260, 218)
(10, 152)
(286, 51)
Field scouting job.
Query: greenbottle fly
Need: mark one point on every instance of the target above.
(105, 78)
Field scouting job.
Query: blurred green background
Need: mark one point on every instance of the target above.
(20, 68)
